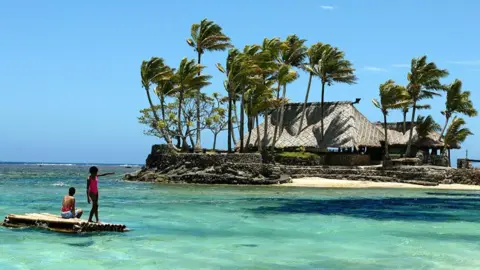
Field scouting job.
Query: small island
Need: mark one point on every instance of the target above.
(271, 140)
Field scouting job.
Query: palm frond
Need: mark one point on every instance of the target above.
(426, 125)
(456, 133)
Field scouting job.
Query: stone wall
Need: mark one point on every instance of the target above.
(403, 174)
(162, 158)
(311, 161)
(347, 159)
(331, 159)
(464, 176)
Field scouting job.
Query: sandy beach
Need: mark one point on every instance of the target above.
(318, 182)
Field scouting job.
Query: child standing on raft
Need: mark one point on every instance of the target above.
(92, 191)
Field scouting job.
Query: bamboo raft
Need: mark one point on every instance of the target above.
(58, 224)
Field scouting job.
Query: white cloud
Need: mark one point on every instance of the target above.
(401, 65)
(375, 69)
(327, 7)
(466, 63)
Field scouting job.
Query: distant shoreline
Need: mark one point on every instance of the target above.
(317, 182)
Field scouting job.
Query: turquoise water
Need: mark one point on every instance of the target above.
(234, 227)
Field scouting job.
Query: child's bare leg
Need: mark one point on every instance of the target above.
(91, 212)
(96, 212)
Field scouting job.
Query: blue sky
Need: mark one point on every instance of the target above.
(69, 70)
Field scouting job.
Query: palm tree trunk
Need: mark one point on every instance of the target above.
(449, 158)
(387, 155)
(447, 118)
(265, 132)
(278, 119)
(409, 146)
(305, 104)
(198, 144)
(157, 119)
(282, 110)
(165, 134)
(184, 138)
(323, 108)
(404, 122)
(259, 141)
(236, 121)
(179, 116)
(242, 122)
(214, 140)
(230, 127)
(250, 128)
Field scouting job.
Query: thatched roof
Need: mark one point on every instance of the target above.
(344, 126)
(397, 138)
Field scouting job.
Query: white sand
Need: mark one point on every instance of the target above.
(318, 182)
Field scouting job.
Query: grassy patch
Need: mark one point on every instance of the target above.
(299, 154)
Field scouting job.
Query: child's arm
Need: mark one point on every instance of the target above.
(105, 174)
(88, 185)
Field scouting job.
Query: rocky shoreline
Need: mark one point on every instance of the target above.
(166, 166)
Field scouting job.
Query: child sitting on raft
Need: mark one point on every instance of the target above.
(68, 206)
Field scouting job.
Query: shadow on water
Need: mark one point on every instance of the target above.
(82, 244)
(401, 209)
(454, 194)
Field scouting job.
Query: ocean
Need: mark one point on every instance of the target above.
(238, 227)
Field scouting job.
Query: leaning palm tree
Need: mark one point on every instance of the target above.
(164, 89)
(457, 102)
(407, 104)
(206, 36)
(456, 134)
(291, 54)
(423, 83)
(236, 70)
(332, 67)
(186, 79)
(155, 71)
(391, 97)
(314, 54)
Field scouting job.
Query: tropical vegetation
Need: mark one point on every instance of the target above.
(255, 83)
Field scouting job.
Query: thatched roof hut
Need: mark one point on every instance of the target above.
(344, 127)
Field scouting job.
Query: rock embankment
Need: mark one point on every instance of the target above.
(165, 166)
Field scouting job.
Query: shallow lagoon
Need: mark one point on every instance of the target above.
(232, 227)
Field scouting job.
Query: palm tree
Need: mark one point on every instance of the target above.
(152, 71)
(314, 53)
(457, 102)
(423, 83)
(232, 69)
(206, 36)
(331, 68)
(164, 89)
(405, 109)
(292, 54)
(456, 134)
(391, 97)
(187, 78)
(425, 126)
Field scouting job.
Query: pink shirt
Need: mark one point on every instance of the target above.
(93, 187)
